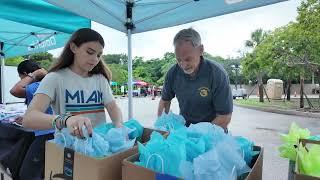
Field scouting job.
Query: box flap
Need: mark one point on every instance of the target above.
(297, 175)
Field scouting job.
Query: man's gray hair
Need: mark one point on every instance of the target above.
(188, 35)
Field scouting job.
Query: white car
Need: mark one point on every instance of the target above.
(315, 89)
(240, 92)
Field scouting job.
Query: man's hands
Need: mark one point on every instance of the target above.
(163, 106)
(222, 120)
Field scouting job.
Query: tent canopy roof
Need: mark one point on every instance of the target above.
(150, 15)
(30, 26)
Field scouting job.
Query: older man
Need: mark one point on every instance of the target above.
(200, 85)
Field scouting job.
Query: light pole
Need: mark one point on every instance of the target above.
(235, 69)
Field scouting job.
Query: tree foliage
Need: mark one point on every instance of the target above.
(292, 49)
(289, 52)
(14, 61)
(44, 59)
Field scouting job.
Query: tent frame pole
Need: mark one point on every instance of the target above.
(2, 83)
(130, 105)
(129, 25)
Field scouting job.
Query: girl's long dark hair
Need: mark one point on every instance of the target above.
(79, 37)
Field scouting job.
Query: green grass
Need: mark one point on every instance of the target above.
(292, 104)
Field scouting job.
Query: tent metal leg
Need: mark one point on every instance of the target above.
(130, 115)
(2, 83)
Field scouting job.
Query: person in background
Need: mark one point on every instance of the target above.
(153, 93)
(77, 87)
(200, 85)
(149, 91)
(139, 91)
(31, 74)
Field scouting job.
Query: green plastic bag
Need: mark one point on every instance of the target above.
(291, 140)
(309, 160)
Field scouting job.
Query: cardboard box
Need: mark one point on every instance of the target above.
(59, 162)
(291, 169)
(256, 165)
(297, 175)
(130, 171)
(3, 174)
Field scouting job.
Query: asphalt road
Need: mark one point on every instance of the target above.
(261, 127)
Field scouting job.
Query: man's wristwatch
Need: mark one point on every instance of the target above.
(31, 76)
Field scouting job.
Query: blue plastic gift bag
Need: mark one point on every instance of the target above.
(165, 177)
(170, 122)
(119, 140)
(161, 155)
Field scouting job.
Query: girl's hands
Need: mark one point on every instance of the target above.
(18, 120)
(118, 125)
(75, 124)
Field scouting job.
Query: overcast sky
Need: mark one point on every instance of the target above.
(223, 36)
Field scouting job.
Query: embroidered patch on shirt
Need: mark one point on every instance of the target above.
(204, 91)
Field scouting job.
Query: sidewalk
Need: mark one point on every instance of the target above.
(282, 111)
(292, 96)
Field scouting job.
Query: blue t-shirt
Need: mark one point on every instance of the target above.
(201, 97)
(30, 90)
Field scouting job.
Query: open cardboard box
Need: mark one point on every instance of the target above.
(67, 164)
(131, 171)
(297, 175)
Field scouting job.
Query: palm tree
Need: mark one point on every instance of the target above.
(257, 37)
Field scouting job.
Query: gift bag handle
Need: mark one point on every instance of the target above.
(156, 155)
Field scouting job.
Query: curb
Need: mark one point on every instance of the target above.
(280, 111)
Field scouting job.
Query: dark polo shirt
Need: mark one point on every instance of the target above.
(201, 97)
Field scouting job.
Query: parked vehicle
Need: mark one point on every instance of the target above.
(239, 93)
(315, 89)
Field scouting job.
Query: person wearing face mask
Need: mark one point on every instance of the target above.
(201, 86)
